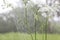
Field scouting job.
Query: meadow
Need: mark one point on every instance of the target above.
(25, 36)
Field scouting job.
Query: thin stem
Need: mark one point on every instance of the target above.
(46, 28)
(35, 29)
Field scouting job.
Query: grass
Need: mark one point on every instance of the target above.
(24, 36)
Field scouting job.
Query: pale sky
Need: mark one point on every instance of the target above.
(13, 2)
(39, 1)
(16, 3)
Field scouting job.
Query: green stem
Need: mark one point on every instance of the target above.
(46, 28)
